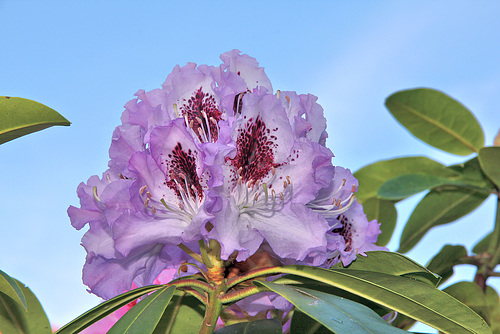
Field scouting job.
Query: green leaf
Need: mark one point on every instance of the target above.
(303, 324)
(373, 176)
(392, 264)
(184, 314)
(145, 315)
(19, 117)
(485, 303)
(264, 326)
(489, 159)
(437, 119)
(9, 287)
(340, 315)
(471, 173)
(407, 185)
(385, 213)
(104, 309)
(411, 297)
(482, 246)
(14, 319)
(444, 261)
(438, 208)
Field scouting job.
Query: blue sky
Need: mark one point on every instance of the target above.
(87, 59)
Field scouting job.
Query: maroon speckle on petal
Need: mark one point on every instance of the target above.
(345, 231)
(255, 157)
(181, 169)
(194, 107)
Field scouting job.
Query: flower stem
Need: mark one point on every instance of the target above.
(484, 271)
(213, 310)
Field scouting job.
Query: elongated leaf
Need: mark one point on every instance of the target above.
(485, 303)
(437, 208)
(437, 119)
(489, 159)
(340, 315)
(184, 314)
(264, 326)
(411, 297)
(407, 185)
(393, 264)
(444, 261)
(385, 213)
(371, 177)
(104, 309)
(15, 319)
(19, 117)
(143, 317)
(9, 287)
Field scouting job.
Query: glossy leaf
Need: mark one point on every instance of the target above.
(15, 319)
(184, 314)
(407, 185)
(437, 119)
(373, 176)
(340, 315)
(385, 213)
(9, 287)
(438, 208)
(408, 296)
(19, 117)
(489, 159)
(485, 303)
(264, 326)
(145, 315)
(393, 264)
(104, 309)
(444, 261)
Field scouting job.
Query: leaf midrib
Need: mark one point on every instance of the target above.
(438, 125)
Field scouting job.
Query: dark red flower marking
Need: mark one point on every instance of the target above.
(199, 105)
(255, 145)
(345, 231)
(181, 169)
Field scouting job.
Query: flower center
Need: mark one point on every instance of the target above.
(202, 114)
(182, 176)
(254, 158)
(337, 206)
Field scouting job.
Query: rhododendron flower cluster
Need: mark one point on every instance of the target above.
(217, 154)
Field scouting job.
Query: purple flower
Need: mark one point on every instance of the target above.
(215, 154)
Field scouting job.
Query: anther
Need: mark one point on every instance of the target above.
(94, 192)
(273, 170)
(146, 202)
(281, 196)
(343, 182)
(353, 190)
(288, 179)
(143, 188)
(108, 177)
(287, 99)
(148, 194)
(176, 111)
(278, 93)
(154, 209)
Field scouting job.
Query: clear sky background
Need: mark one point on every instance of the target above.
(87, 59)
